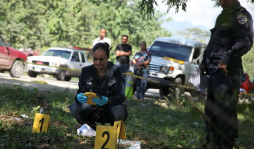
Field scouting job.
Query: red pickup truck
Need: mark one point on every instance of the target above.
(246, 84)
(11, 60)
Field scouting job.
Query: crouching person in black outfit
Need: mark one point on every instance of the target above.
(107, 81)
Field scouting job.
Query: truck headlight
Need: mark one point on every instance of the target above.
(164, 69)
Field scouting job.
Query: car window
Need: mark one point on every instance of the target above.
(172, 50)
(82, 57)
(2, 43)
(75, 57)
(58, 53)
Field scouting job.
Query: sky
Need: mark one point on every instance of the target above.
(200, 12)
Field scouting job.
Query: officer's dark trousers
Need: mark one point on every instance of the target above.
(140, 84)
(220, 106)
(83, 113)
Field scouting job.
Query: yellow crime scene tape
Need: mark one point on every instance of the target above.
(171, 84)
(131, 74)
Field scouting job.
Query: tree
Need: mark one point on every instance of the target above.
(123, 18)
(194, 34)
(36, 24)
(147, 6)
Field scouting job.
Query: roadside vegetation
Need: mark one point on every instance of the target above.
(158, 124)
(41, 24)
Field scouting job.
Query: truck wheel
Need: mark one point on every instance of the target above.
(17, 69)
(61, 75)
(32, 74)
(67, 78)
(178, 90)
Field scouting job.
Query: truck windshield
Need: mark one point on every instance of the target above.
(58, 53)
(166, 49)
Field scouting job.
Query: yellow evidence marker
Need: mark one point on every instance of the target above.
(41, 123)
(90, 96)
(120, 128)
(105, 137)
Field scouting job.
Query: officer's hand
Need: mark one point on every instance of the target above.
(81, 98)
(202, 69)
(222, 66)
(100, 100)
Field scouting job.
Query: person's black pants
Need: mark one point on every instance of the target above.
(220, 107)
(83, 113)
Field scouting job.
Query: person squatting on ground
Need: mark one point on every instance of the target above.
(231, 38)
(123, 52)
(102, 38)
(106, 80)
(141, 62)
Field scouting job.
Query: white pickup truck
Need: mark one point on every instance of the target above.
(70, 60)
(173, 61)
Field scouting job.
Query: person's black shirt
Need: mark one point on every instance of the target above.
(110, 85)
(231, 38)
(126, 48)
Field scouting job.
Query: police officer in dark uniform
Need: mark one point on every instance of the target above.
(231, 38)
(107, 81)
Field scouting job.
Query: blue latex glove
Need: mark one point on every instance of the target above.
(100, 101)
(81, 98)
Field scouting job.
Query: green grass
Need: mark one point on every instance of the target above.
(158, 124)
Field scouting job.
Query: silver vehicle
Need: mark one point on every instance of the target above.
(63, 63)
(173, 61)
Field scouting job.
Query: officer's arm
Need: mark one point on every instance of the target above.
(82, 81)
(118, 88)
(243, 37)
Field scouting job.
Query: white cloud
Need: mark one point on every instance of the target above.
(200, 12)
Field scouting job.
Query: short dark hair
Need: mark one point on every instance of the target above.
(101, 46)
(125, 36)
